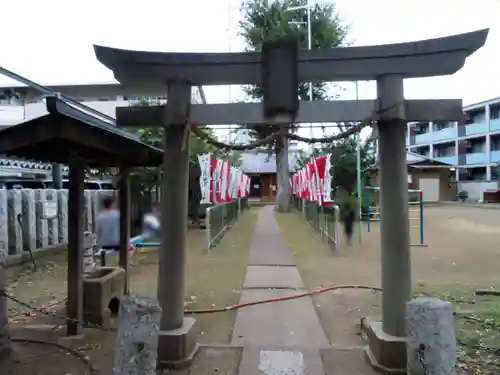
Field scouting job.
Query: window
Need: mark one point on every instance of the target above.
(477, 116)
(90, 185)
(472, 174)
(421, 128)
(495, 172)
(494, 112)
(442, 125)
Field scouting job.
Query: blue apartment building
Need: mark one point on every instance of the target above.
(472, 146)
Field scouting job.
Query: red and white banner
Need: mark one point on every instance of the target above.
(314, 181)
(220, 182)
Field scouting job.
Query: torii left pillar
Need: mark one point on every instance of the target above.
(176, 341)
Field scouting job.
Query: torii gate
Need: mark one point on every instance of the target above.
(278, 69)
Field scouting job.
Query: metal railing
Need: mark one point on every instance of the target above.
(220, 217)
(323, 219)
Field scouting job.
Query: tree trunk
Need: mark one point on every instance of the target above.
(283, 196)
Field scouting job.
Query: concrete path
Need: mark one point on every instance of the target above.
(279, 337)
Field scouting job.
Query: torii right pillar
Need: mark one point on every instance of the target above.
(387, 345)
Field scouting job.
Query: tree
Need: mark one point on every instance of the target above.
(153, 136)
(265, 20)
(144, 180)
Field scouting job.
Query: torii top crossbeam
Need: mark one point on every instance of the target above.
(425, 58)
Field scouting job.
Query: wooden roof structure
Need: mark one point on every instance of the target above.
(67, 131)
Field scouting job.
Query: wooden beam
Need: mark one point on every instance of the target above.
(124, 204)
(75, 247)
(309, 112)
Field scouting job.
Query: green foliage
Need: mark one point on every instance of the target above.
(265, 20)
(154, 136)
(143, 180)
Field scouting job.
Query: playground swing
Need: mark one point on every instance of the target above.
(415, 211)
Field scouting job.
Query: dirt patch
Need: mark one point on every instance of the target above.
(97, 348)
(462, 255)
(42, 286)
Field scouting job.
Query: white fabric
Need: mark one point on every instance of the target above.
(152, 221)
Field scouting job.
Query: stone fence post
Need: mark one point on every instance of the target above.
(14, 212)
(431, 342)
(62, 206)
(137, 338)
(28, 219)
(89, 263)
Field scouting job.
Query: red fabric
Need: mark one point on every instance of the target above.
(219, 176)
(227, 181)
(240, 183)
(309, 187)
(213, 180)
(319, 164)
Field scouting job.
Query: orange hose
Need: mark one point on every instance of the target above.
(254, 303)
(279, 299)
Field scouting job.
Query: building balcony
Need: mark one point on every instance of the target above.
(444, 134)
(476, 158)
(423, 138)
(476, 128)
(495, 124)
(453, 160)
(495, 156)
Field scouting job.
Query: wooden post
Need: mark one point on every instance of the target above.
(75, 247)
(5, 347)
(124, 201)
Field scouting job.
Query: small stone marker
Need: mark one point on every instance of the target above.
(137, 338)
(430, 331)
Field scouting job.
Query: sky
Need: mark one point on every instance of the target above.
(50, 42)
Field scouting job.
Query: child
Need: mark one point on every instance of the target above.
(151, 223)
(108, 226)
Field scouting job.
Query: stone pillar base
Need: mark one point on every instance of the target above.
(6, 352)
(384, 352)
(177, 348)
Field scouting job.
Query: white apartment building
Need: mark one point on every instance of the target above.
(21, 103)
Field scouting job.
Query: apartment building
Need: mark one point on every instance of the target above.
(472, 146)
(20, 103)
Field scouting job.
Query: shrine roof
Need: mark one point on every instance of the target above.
(67, 131)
